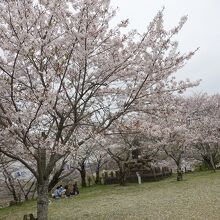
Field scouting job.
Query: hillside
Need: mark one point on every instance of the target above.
(197, 197)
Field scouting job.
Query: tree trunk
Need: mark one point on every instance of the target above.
(11, 185)
(97, 177)
(83, 175)
(122, 178)
(83, 179)
(209, 162)
(212, 162)
(42, 200)
(15, 197)
(122, 175)
(179, 173)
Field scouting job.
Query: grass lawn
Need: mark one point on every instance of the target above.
(197, 197)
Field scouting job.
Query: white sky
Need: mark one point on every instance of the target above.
(201, 30)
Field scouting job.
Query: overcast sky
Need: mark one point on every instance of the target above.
(201, 30)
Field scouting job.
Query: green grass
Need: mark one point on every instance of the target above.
(197, 197)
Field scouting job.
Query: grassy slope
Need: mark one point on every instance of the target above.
(197, 197)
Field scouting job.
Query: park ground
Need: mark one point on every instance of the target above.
(196, 197)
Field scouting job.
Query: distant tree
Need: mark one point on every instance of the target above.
(205, 128)
(20, 188)
(81, 160)
(171, 131)
(128, 136)
(120, 152)
(99, 157)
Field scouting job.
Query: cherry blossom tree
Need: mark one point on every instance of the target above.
(61, 172)
(204, 125)
(82, 157)
(98, 158)
(66, 75)
(120, 151)
(184, 124)
(9, 180)
(20, 187)
(129, 135)
(171, 132)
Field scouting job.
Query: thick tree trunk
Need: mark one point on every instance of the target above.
(179, 173)
(83, 179)
(206, 162)
(42, 200)
(122, 175)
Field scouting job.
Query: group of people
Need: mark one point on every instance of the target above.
(61, 192)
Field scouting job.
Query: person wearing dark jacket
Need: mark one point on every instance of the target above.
(67, 191)
(75, 189)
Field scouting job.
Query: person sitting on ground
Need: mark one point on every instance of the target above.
(67, 191)
(62, 190)
(57, 194)
(75, 189)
